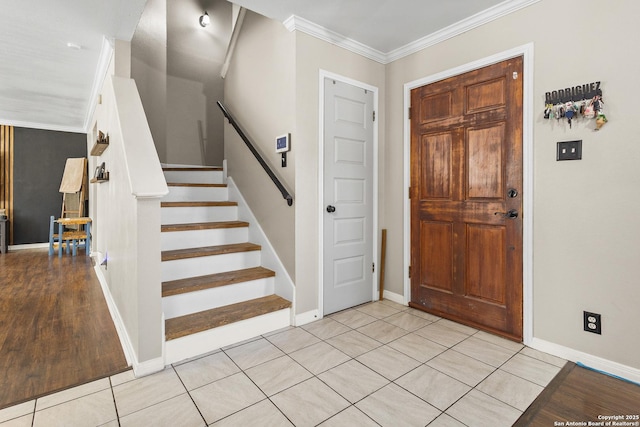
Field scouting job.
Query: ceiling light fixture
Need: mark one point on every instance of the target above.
(204, 19)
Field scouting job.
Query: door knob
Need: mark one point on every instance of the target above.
(511, 214)
(331, 209)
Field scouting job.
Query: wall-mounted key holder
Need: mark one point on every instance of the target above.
(577, 102)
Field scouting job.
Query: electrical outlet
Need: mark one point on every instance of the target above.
(592, 322)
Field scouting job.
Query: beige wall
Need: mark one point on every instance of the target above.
(149, 69)
(313, 55)
(194, 61)
(176, 64)
(259, 92)
(585, 234)
(272, 88)
(585, 253)
(186, 111)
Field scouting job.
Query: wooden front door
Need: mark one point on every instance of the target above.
(466, 198)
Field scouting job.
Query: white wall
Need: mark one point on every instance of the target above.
(126, 212)
(585, 234)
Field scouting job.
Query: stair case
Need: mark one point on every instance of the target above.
(215, 291)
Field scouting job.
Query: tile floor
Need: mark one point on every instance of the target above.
(377, 364)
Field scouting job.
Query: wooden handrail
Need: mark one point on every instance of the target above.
(265, 166)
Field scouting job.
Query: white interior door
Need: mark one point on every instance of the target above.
(348, 196)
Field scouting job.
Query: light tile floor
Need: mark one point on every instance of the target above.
(377, 364)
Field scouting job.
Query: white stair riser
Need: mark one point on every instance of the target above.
(172, 240)
(201, 266)
(203, 342)
(194, 177)
(193, 302)
(192, 214)
(196, 194)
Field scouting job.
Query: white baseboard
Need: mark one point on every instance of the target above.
(589, 360)
(308, 317)
(28, 246)
(283, 283)
(139, 368)
(148, 367)
(125, 342)
(392, 296)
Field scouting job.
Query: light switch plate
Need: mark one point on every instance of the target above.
(569, 150)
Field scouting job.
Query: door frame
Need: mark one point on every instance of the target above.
(526, 51)
(322, 75)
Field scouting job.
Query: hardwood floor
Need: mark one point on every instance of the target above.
(55, 328)
(578, 395)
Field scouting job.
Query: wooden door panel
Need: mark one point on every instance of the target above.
(486, 95)
(467, 212)
(437, 154)
(485, 163)
(436, 267)
(466, 153)
(485, 261)
(438, 106)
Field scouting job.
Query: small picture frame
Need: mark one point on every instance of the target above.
(283, 143)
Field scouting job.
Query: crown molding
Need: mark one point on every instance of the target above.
(294, 23)
(42, 126)
(459, 27)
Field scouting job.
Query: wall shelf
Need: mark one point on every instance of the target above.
(100, 180)
(101, 144)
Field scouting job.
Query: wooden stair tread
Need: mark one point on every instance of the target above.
(208, 250)
(191, 169)
(195, 184)
(195, 204)
(214, 318)
(204, 226)
(192, 284)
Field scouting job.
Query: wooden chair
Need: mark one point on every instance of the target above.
(74, 230)
(71, 239)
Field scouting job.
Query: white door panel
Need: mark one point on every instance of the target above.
(348, 187)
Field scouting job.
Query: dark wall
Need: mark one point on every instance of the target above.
(39, 157)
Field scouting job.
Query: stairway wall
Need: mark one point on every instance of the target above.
(177, 64)
(263, 103)
(284, 97)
